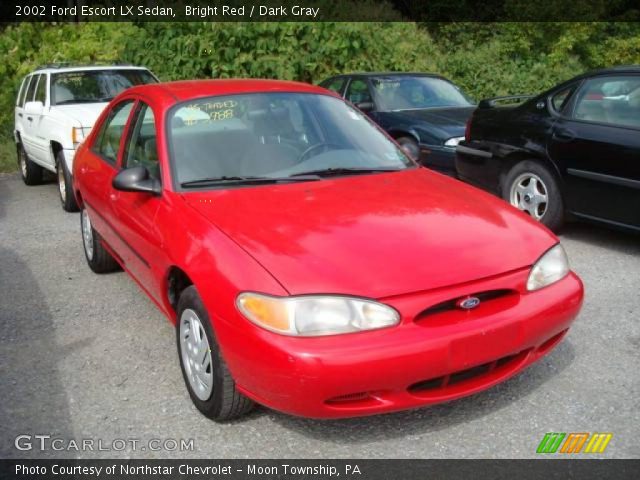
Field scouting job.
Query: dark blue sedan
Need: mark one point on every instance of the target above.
(425, 113)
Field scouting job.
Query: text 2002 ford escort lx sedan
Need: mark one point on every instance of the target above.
(307, 263)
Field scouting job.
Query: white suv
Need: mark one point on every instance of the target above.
(56, 107)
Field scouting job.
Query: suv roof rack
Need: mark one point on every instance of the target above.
(80, 65)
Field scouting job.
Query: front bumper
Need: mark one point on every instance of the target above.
(425, 360)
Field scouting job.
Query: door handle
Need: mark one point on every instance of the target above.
(30, 119)
(20, 115)
(563, 135)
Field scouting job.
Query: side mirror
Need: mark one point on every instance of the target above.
(33, 108)
(136, 179)
(365, 106)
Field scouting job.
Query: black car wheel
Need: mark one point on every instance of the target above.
(532, 188)
(410, 147)
(31, 172)
(209, 382)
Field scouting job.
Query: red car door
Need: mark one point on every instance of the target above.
(99, 168)
(134, 213)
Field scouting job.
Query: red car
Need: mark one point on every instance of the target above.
(308, 264)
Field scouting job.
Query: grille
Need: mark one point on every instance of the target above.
(449, 305)
(465, 375)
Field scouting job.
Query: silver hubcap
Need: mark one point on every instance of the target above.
(529, 194)
(62, 186)
(23, 163)
(196, 354)
(87, 234)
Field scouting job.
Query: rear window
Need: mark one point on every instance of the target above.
(94, 86)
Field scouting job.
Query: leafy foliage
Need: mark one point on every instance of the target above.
(485, 59)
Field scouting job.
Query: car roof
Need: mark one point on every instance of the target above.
(81, 68)
(610, 70)
(188, 89)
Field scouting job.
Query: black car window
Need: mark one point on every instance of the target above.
(560, 99)
(108, 141)
(335, 84)
(404, 92)
(612, 100)
(358, 92)
(142, 148)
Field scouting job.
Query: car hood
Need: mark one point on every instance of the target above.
(85, 114)
(451, 120)
(375, 235)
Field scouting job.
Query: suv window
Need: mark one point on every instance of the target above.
(613, 100)
(94, 86)
(142, 148)
(358, 92)
(335, 85)
(108, 141)
(31, 90)
(41, 92)
(23, 91)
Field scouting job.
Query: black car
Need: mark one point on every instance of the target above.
(572, 151)
(425, 113)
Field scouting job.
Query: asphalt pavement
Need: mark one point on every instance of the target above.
(89, 357)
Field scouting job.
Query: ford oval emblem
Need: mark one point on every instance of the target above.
(467, 303)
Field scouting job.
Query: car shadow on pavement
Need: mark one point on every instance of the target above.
(33, 400)
(437, 417)
(596, 235)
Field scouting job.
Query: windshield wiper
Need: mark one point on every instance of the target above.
(214, 181)
(328, 172)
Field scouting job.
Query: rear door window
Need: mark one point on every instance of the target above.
(613, 100)
(41, 91)
(31, 90)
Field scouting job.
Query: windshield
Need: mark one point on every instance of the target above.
(94, 86)
(285, 136)
(405, 93)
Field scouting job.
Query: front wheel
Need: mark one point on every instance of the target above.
(208, 380)
(534, 189)
(65, 186)
(30, 172)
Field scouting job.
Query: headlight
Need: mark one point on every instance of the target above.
(453, 142)
(550, 268)
(314, 315)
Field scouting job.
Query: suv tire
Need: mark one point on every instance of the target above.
(65, 185)
(31, 172)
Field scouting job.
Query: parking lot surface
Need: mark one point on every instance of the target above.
(85, 356)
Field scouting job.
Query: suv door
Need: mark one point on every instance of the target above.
(41, 144)
(28, 131)
(597, 142)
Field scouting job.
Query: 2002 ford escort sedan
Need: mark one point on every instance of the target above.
(307, 263)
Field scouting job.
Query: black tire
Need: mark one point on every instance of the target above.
(410, 147)
(99, 259)
(65, 185)
(552, 214)
(225, 402)
(30, 172)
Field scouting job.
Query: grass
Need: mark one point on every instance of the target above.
(8, 161)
